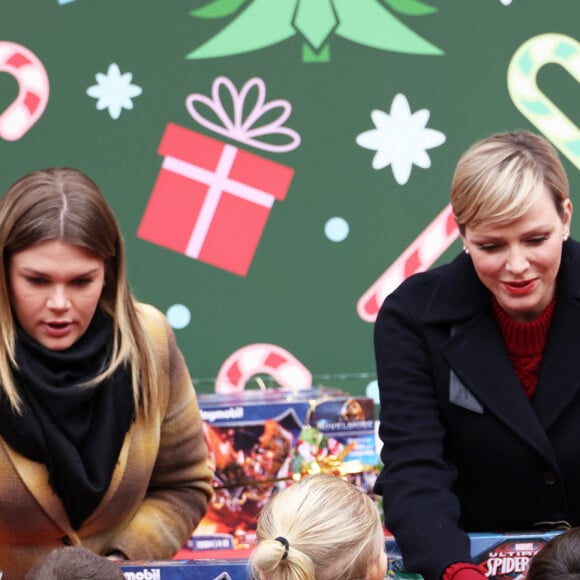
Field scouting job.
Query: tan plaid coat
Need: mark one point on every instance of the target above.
(159, 490)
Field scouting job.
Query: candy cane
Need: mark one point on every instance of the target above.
(532, 102)
(258, 358)
(33, 90)
(427, 247)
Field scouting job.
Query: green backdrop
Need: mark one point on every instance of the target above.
(381, 98)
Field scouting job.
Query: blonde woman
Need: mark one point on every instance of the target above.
(321, 528)
(479, 368)
(101, 439)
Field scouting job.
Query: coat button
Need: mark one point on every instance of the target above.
(550, 478)
(66, 541)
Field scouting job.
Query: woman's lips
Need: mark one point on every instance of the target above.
(57, 329)
(520, 288)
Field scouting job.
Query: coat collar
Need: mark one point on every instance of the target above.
(34, 476)
(476, 354)
(458, 293)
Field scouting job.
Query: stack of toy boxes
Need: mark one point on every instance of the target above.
(261, 441)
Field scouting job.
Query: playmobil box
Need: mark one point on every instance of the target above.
(261, 441)
(502, 556)
(187, 570)
(339, 439)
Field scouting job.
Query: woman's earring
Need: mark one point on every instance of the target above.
(465, 250)
(566, 235)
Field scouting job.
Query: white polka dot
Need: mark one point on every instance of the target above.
(506, 2)
(336, 229)
(178, 316)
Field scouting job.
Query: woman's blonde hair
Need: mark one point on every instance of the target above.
(500, 177)
(64, 204)
(333, 532)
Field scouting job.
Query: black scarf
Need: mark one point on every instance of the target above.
(76, 431)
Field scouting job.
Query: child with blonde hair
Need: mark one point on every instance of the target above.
(321, 528)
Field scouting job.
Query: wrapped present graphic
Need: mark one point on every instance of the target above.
(211, 199)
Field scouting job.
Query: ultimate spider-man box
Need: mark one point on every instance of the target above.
(502, 556)
(507, 556)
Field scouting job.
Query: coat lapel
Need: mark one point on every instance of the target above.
(35, 477)
(478, 358)
(479, 361)
(559, 379)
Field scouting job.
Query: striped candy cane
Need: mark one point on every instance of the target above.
(33, 90)
(532, 102)
(259, 358)
(418, 257)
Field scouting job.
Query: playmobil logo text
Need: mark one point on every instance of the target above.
(222, 414)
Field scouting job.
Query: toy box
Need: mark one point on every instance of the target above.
(502, 555)
(187, 570)
(262, 441)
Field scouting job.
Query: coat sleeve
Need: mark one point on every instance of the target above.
(416, 482)
(179, 490)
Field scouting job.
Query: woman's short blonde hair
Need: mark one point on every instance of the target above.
(333, 530)
(499, 178)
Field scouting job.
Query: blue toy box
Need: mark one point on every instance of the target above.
(261, 441)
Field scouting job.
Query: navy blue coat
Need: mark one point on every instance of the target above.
(464, 449)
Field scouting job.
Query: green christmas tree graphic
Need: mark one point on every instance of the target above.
(262, 23)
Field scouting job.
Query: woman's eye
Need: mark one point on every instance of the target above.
(536, 241)
(489, 247)
(82, 282)
(36, 280)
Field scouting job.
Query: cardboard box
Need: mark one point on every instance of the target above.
(502, 555)
(187, 570)
(257, 442)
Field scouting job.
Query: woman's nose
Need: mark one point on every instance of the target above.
(517, 261)
(58, 299)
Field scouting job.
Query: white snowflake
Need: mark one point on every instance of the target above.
(114, 91)
(401, 139)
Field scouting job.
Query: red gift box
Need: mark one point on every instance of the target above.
(211, 200)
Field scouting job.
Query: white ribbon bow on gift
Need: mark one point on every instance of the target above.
(238, 127)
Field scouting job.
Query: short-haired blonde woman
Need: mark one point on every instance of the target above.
(478, 366)
(321, 528)
(101, 438)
